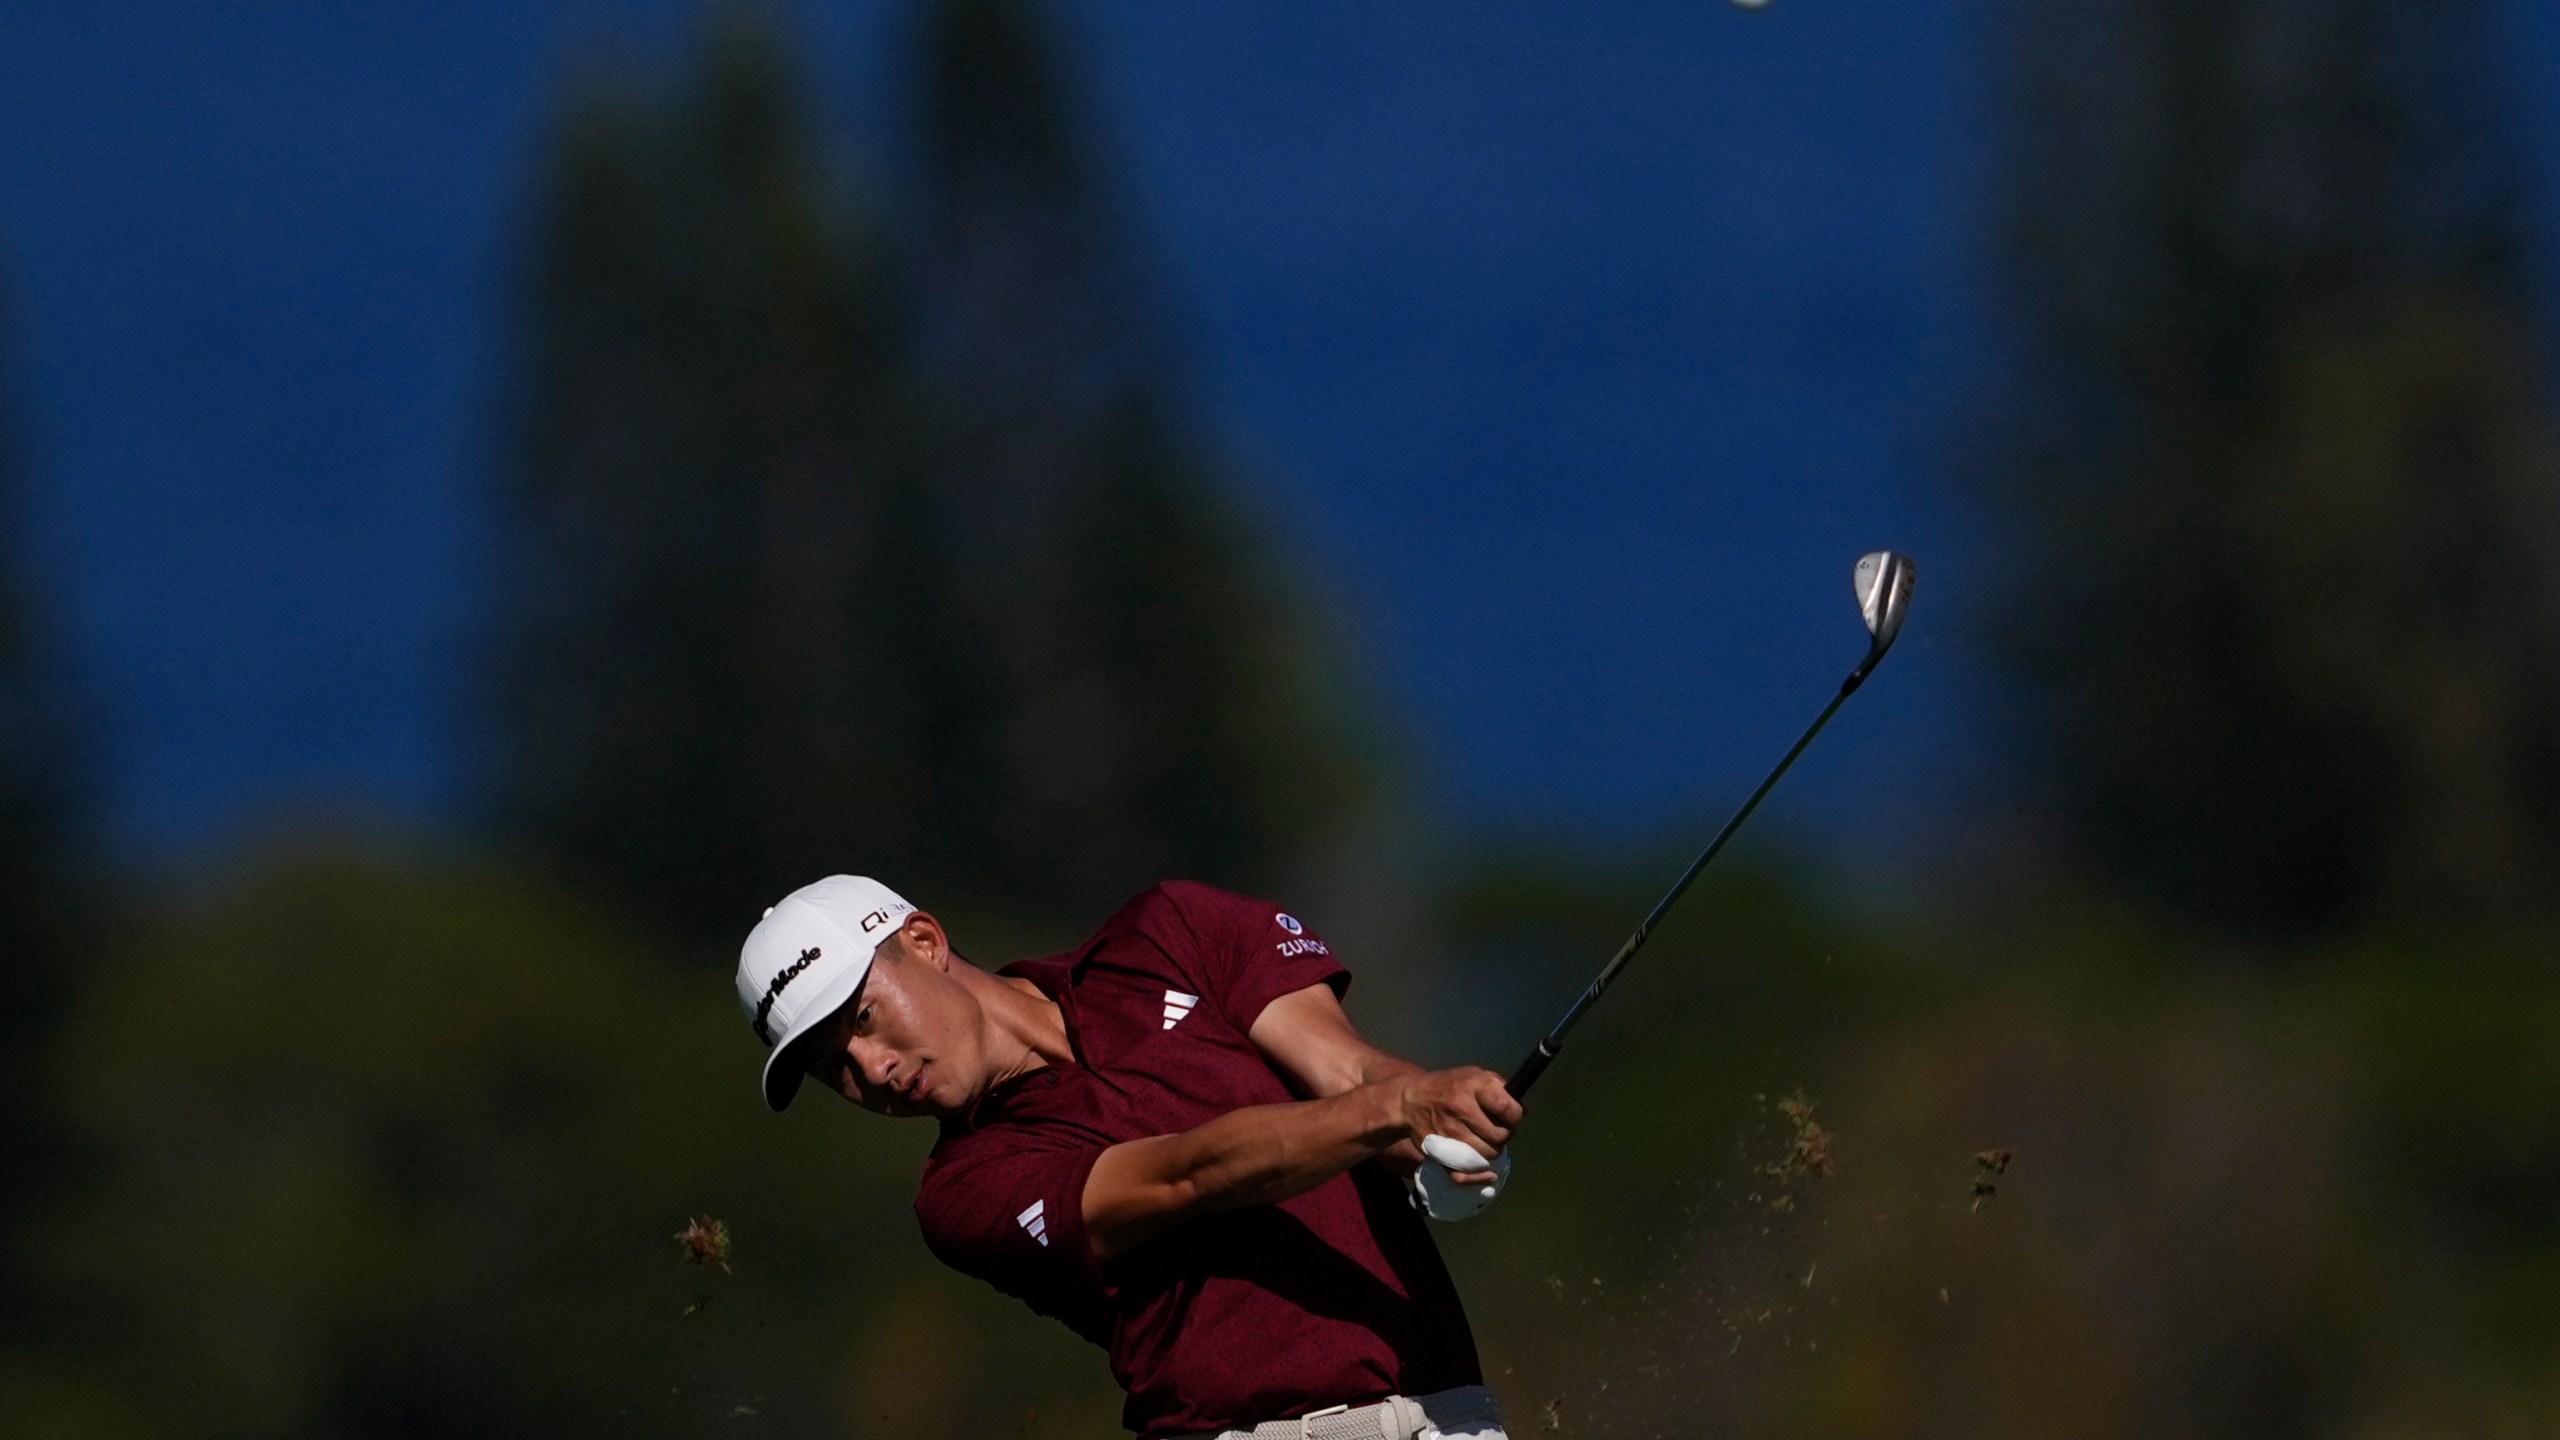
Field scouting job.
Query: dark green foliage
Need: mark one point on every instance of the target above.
(1151, 712)
(715, 573)
(409, 1152)
(832, 563)
(1150, 708)
(411, 1146)
(2278, 477)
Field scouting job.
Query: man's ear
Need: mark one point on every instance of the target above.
(922, 938)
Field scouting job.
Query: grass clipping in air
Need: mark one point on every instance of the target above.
(1808, 1153)
(706, 1242)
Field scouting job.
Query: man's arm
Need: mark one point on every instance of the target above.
(1306, 1034)
(1309, 1037)
(1141, 1188)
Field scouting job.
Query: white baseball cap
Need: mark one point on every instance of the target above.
(805, 959)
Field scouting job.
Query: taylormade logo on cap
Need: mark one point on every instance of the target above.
(805, 959)
(790, 972)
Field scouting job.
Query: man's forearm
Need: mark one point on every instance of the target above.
(1263, 1153)
(1271, 1152)
(1252, 1156)
(1378, 1065)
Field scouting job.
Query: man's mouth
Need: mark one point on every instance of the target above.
(913, 1090)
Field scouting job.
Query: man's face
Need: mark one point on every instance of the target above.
(910, 1040)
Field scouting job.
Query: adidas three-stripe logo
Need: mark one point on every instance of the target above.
(1034, 1221)
(1177, 1005)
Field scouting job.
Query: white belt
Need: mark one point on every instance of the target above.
(1468, 1409)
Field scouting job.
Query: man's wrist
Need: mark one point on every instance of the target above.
(1382, 1119)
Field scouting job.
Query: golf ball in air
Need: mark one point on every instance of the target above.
(1749, 4)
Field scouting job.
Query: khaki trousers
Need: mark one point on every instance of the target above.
(1466, 1413)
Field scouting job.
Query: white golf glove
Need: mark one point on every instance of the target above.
(1439, 1196)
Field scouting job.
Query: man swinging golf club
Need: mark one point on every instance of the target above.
(1172, 1139)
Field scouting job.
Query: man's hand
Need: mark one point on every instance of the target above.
(1461, 1119)
(1306, 1035)
(1467, 1105)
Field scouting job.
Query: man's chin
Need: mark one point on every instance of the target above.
(899, 1107)
(895, 1107)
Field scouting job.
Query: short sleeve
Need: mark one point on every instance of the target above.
(1009, 1210)
(1248, 953)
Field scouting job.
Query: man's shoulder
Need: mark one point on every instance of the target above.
(1198, 893)
(1188, 909)
(1166, 914)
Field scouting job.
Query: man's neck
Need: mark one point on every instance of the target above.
(1026, 1029)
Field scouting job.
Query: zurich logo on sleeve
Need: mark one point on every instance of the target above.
(1303, 944)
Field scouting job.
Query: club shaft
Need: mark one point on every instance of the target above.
(1526, 1073)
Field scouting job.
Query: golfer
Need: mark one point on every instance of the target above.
(1170, 1138)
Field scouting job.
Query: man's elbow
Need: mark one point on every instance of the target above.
(1124, 1211)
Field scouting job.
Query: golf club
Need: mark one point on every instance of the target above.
(1883, 580)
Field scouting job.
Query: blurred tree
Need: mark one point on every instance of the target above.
(2278, 467)
(780, 608)
(46, 857)
(717, 590)
(1153, 703)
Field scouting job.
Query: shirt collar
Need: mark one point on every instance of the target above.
(1053, 976)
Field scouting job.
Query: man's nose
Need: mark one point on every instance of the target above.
(872, 1062)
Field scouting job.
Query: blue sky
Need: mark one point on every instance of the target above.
(1572, 355)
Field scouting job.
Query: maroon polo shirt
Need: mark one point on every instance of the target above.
(1336, 1296)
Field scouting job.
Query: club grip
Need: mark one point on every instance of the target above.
(1526, 1073)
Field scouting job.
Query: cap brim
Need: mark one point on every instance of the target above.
(782, 1070)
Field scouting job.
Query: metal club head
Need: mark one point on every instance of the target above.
(1884, 579)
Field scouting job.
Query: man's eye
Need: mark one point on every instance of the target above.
(862, 1017)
